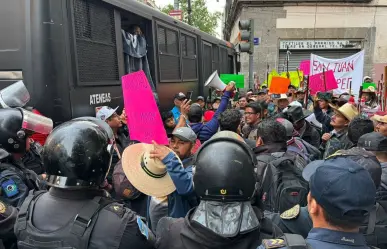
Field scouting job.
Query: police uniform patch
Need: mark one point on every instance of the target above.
(10, 188)
(291, 213)
(142, 227)
(273, 243)
(117, 209)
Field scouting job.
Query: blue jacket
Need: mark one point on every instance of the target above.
(184, 198)
(206, 131)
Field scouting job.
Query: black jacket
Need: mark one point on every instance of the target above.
(184, 234)
(311, 135)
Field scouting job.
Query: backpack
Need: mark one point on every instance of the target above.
(282, 186)
(376, 229)
(309, 151)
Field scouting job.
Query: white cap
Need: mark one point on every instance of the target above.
(105, 112)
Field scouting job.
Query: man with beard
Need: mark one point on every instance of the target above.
(225, 217)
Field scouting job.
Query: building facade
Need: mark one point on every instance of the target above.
(332, 29)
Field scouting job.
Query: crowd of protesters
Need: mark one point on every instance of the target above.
(258, 171)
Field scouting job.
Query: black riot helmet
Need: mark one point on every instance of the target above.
(225, 171)
(78, 153)
(16, 124)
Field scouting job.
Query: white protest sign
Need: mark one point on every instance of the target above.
(346, 70)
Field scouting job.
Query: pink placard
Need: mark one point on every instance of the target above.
(144, 121)
(316, 82)
(305, 67)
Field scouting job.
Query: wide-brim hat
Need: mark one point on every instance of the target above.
(149, 176)
(297, 113)
(282, 96)
(348, 110)
(379, 118)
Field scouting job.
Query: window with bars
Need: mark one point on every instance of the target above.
(188, 47)
(207, 60)
(95, 41)
(169, 55)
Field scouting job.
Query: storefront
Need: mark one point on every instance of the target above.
(300, 50)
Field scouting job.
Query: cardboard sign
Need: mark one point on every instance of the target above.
(239, 79)
(279, 85)
(305, 67)
(316, 82)
(346, 70)
(144, 121)
(294, 76)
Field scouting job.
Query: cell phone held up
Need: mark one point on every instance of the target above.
(189, 94)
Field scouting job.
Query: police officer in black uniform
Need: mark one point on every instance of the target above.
(224, 179)
(16, 125)
(75, 212)
(297, 220)
(342, 195)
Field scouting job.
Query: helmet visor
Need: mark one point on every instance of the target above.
(36, 123)
(15, 95)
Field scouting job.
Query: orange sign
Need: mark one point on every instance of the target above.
(279, 85)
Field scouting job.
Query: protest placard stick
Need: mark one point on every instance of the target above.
(350, 88)
(359, 99)
(325, 84)
(288, 53)
(385, 87)
(306, 92)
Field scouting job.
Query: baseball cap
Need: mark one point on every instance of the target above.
(185, 134)
(342, 187)
(180, 96)
(105, 112)
(373, 141)
(200, 98)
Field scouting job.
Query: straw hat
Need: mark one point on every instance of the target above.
(379, 118)
(349, 111)
(148, 175)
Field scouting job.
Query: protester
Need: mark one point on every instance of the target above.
(225, 217)
(195, 116)
(305, 130)
(242, 104)
(253, 116)
(77, 156)
(300, 96)
(281, 103)
(334, 209)
(110, 116)
(338, 139)
(262, 95)
(230, 120)
(323, 111)
(358, 127)
(124, 128)
(291, 90)
(168, 121)
(279, 168)
(377, 144)
(381, 124)
(371, 104)
(216, 103)
(296, 145)
(178, 99)
(167, 171)
(200, 100)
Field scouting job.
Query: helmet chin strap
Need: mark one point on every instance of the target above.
(226, 219)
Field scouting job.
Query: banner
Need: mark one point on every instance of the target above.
(279, 85)
(316, 82)
(346, 70)
(295, 77)
(239, 79)
(144, 121)
(305, 67)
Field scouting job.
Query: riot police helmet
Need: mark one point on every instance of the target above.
(17, 124)
(78, 154)
(224, 170)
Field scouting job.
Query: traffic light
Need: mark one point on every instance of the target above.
(246, 36)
